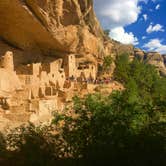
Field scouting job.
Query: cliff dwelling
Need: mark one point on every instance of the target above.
(55, 50)
(42, 88)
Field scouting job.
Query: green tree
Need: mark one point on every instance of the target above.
(107, 32)
(107, 63)
(122, 68)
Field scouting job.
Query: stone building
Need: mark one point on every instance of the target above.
(40, 87)
(74, 68)
(87, 70)
(7, 61)
(8, 78)
(42, 78)
(70, 65)
(9, 81)
(56, 73)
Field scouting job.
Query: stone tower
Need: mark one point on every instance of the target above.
(70, 65)
(7, 61)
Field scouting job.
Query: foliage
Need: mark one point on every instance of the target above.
(139, 78)
(107, 32)
(31, 145)
(122, 68)
(107, 62)
(117, 131)
(106, 66)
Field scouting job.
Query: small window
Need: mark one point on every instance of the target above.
(53, 75)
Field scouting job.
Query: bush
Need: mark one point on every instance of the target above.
(107, 63)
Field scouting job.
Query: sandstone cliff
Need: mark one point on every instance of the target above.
(36, 28)
(153, 58)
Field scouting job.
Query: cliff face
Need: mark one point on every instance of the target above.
(153, 58)
(33, 28)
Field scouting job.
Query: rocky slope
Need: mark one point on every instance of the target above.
(153, 58)
(36, 28)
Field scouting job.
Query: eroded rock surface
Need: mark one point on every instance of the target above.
(157, 60)
(49, 27)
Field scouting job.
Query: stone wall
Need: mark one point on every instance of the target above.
(7, 61)
(69, 65)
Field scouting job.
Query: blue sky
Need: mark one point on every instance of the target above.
(138, 22)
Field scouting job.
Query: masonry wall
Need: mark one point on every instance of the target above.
(70, 65)
(7, 61)
(36, 68)
(90, 72)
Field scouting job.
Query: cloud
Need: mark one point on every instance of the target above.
(157, 7)
(144, 37)
(116, 14)
(145, 16)
(155, 45)
(154, 28)
(120, 35)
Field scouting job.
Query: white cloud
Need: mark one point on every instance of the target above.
(154, 28)
(120, 35)
(144, 37)
(155, 45)
(145, 16)
(116, 14)
(157, 7)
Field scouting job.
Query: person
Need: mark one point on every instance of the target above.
(96, 81)
(67, 83)
(107, 81)
(71, 78)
